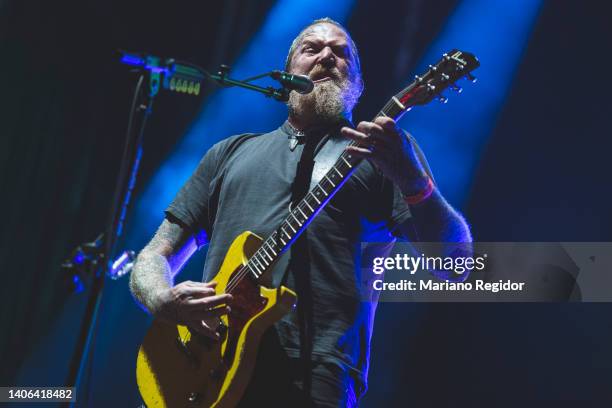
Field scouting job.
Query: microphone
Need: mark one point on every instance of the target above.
(293, 82)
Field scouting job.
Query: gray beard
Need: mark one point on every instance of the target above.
(330, 101)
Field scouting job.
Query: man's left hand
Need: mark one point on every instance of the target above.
(387, 147)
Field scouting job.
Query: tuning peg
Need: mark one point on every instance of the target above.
(433, 68)
(456, 88)
(445, 77)
(442, 99)
(471, 78)
(431, 88)
(418, 79)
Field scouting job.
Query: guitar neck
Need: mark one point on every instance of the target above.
(307, 209)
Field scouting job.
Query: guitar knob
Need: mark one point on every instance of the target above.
(456, 88)
(193, 397)
(442, 99)
(221, 329)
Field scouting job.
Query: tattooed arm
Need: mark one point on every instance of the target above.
(152, 278)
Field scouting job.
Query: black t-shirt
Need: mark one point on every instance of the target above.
(244, 183)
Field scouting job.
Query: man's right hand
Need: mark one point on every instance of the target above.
(193, 304)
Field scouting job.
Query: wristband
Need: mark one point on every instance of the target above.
(422, 195)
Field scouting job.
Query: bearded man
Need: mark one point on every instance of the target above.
(317, 355)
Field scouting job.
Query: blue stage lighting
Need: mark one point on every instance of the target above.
(231, 111)
(453, 135)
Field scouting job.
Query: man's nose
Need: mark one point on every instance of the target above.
(328, 59)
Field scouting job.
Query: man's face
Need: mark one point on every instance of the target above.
(325, 55)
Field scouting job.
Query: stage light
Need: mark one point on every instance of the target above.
(453, 135)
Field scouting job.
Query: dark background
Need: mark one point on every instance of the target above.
(543, 176)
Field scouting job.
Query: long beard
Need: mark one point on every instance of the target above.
(328, 102)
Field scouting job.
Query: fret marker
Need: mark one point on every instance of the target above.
(272, 250)
(259, 263)
(263, 248)
(256, 269)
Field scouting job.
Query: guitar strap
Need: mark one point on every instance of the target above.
(319, 154)
(326, 150)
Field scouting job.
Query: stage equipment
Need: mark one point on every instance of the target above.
(188, 78)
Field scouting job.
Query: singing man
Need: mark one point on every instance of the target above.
(317, 355)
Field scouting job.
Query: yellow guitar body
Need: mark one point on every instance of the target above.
(177, 369)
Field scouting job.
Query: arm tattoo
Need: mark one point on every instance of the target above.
(159, 262)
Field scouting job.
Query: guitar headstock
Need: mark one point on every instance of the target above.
(452, 66)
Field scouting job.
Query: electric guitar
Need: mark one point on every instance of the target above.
(179, 368)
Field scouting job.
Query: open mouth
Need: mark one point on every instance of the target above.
(322, 79)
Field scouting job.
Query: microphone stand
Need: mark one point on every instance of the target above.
(94, 258)
(104, 246)
(280, 94)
